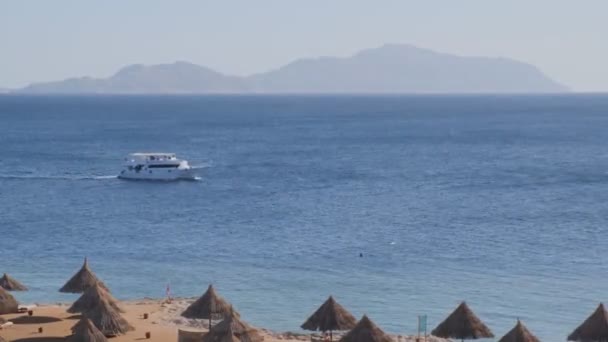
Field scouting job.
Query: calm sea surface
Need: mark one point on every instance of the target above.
(500, 201)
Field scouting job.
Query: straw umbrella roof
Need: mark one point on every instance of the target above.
(594, 328)
(86, 331)
(208, 304)
(108, 320)
(519, 333)
(8, 303)
(9, 283)
(82, 280)
(330, 316)
(91, 298)
(233, 325)
(462, 324)
(366, 331)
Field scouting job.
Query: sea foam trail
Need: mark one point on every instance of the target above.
(202, 166)
(52, 177)
(106, 177)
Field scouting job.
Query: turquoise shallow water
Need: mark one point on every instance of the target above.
(497, 200)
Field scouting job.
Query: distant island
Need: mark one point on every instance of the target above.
(390, 69)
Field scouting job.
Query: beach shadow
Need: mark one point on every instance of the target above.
(41, 339)
(74, 317)
(35, 320)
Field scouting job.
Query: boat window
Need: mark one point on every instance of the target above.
(163, 166)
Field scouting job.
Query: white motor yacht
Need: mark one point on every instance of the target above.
(156, 166)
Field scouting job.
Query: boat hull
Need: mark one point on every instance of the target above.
(159, 175)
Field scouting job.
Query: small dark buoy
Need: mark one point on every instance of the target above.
(148, 335)
(146, 315)
(360, 255)
(30, 313)
(40, 330)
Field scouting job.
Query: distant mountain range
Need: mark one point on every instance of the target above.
(387, 69)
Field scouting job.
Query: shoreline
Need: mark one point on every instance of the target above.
(164, 321)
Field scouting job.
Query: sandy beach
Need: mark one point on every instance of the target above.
(163, 323)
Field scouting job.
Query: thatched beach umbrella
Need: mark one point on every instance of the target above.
(86, 331)
(208, 305)
(10, 284)
(108, 320)
(82, 280)
(91, 298)
(233, 325)
(8, 303)
(519, 333)
(594, 328)
(366, 331)
(330, 316)
(462, 324)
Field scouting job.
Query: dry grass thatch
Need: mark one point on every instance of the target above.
(108, 320)
(207, 306)
(462, 324)
(519, 333)
(8, 303)
(86, 331)
(233, 326)
(10, 284)
(330, 316)
(82, 280)
(91, 298)
(594, 328)
(228, 337)
(366, 331)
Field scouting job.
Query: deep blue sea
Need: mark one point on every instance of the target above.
(501, 201)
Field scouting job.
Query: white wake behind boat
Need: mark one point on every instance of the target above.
(156, 166)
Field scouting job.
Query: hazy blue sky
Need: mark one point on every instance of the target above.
(49, 40)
